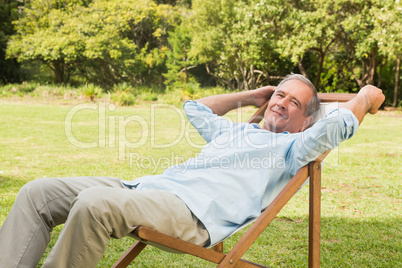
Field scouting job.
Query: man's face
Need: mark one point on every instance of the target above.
(285, 111)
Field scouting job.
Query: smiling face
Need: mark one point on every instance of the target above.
(287, 107)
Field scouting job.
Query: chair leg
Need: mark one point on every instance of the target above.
(315, 214)
(130, 255)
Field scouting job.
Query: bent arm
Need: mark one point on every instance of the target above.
(221, 104)
(368, 100)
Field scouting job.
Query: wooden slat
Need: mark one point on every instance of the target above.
(178, 244)
(322, 156)
(130, 255)
(259, 114)
(241, 263)
(314, 214)
(151, 235)
(336, 97)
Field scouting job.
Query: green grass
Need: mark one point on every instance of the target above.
(361, 202)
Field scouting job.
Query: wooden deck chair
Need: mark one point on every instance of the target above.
(146, 236)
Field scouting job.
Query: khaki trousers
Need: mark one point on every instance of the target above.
(94, 209)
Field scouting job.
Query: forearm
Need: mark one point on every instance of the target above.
(358, 106)
(368, 100)
(221, 104)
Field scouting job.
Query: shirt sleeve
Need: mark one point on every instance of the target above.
(326, 134)
(208, 124)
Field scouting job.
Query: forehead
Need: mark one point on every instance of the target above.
(297, 89)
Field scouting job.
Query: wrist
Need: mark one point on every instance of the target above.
(364, 102)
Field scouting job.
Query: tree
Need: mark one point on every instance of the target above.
(106, 42)
(10, 70)
(388, 34)
(178, 59)
(308, 27)
(340, 32)
(41, 35)
(356, 26)
(236, 41)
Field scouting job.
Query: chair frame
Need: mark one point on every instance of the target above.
(233, 257)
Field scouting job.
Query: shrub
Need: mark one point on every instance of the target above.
(19, 89)
(123, 98)
(91, 91)
(123, 87)
(27, 87)
(149, 96)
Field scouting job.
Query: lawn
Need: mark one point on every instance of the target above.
(361, 188)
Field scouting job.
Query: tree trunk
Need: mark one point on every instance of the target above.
(57, 67)
(243, 71)
(380, 74)
(320, 66)
(371, 69)
(397, 75)
(301, 68)
(252, 77)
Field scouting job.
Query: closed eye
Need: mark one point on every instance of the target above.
(296, 102)
(280, 95)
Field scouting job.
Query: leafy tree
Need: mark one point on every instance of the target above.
(106, 42)
(388, 34)
(309, 27)
(41, 35)
(236, 41)
(10, 70)
(125, 42)
(356, 25)
(178, 59)
(243, 44)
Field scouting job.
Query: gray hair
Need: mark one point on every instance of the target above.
(313, 104)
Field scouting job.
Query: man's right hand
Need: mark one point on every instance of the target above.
(262, 94)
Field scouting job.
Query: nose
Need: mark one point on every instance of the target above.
(282, 103)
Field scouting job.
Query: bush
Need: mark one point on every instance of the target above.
(26, 87)
(149, 96)
(123, 98)
(123, 87)
(91, 91)
(19, 89)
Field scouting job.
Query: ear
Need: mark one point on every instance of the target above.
(306, 123)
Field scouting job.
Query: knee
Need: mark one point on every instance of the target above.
(36, 188)
(93, 203)
(100, 206)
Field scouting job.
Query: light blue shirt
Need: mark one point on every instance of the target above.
(242, 168)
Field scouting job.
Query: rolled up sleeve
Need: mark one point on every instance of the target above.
(326, 134)
(208, 124)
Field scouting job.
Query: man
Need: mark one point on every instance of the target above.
(238, 173)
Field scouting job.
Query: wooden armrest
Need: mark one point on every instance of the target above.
(336, 97)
